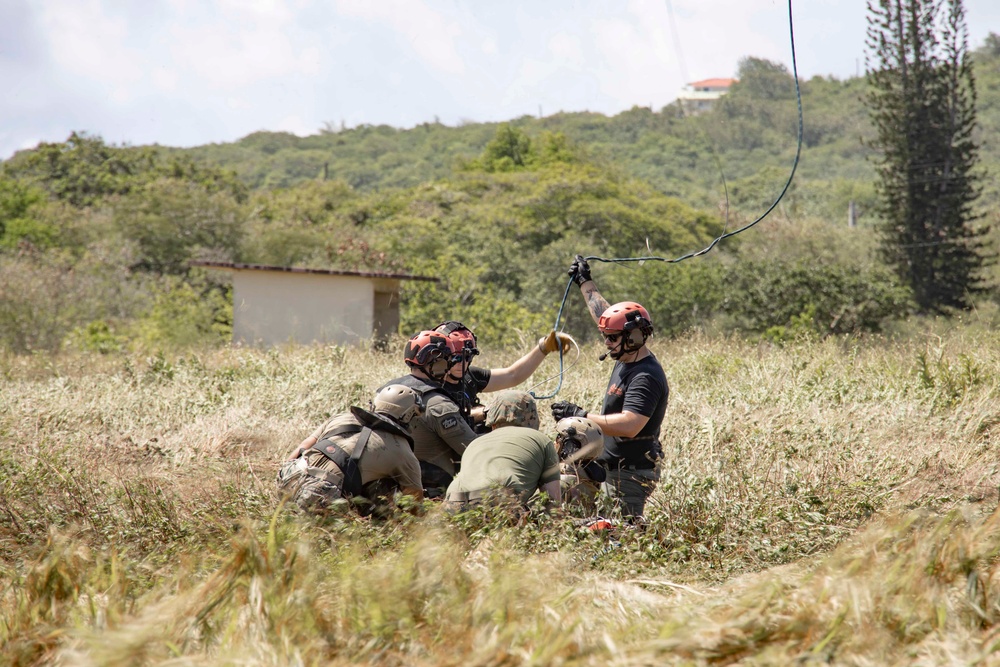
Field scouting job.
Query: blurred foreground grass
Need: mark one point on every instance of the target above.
(827, 501)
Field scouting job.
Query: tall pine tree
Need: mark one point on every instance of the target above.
(922, 100)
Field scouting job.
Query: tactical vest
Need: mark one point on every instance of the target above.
(419, 385)
(348, 463)
(458, 396)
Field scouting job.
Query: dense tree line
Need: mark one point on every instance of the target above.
(96, 239)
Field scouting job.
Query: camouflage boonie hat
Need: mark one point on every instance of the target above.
(511, 407)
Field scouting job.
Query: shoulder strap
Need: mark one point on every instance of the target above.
(347, 464)
(419, 385)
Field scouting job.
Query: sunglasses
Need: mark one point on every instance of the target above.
(464, 355)
(612, 338)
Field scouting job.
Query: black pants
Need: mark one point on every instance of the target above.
(434, 479)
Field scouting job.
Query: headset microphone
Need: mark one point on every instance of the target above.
(603, 356)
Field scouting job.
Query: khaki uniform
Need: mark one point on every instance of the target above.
(314, 482)
(441, 434)
(515, 458)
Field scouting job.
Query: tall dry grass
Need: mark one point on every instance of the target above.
(827, 501)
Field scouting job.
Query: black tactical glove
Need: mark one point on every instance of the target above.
(563, 409)
(579, 270)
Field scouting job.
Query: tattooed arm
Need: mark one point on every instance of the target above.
(596, 303)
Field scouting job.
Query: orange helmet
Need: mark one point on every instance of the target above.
(456, 331)
(626, 316)
(462, 342)
(629, 322)
(431, 352)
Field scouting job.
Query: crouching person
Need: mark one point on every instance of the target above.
(357, 456)
(579, 443)
(512, 461)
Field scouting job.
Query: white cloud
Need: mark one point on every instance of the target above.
(264, 10)
(183, 72)
(236, 51)
(296, 126)
(232, 44)
(86, 42)
(635, 63)
(715, 34)
(165, 79)
(566, 48)
(431, 35)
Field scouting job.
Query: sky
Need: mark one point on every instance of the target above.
(193, 72)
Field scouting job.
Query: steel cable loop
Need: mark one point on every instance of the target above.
(724, 234)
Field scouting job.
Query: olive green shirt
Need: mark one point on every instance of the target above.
(513, 457)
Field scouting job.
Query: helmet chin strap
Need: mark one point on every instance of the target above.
(625, 346)
(615, 352)
(437, 377)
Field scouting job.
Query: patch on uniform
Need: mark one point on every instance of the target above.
(449, 422)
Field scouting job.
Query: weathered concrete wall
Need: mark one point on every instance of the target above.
(274, 307)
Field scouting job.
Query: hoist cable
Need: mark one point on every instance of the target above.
(724, 234)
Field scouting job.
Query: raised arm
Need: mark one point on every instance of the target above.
(596, 303)
(521, 370)
(579, 271)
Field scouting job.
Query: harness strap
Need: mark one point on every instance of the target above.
(348, 464)
(469, 496)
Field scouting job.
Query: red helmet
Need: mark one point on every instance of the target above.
(458, 332)
(425, 349)
(626, 316)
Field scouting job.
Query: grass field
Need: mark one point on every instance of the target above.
(821, 502)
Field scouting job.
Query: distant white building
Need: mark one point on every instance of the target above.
(699, 96)
(273, 305)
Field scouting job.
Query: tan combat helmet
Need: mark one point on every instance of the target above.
(512, 408)
(578, 440)
(398, 401)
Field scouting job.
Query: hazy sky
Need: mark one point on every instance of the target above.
(190, 72)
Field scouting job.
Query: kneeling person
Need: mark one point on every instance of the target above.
(345, 457)
(579, 443)
(514, 458)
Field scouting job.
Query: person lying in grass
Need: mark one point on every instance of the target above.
(360, 456)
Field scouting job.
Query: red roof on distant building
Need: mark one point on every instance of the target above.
(713, 83)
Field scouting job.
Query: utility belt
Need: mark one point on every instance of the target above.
(457, 501)
(631, 466)
(468, 496)
(640, 462)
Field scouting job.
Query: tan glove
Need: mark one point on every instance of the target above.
(554, 341)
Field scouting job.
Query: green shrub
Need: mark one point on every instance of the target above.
(186, 313)
(836, 298)
(96, 336)
(46, 295)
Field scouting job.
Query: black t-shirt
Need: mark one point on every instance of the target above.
(640, 387)
(466, 392)
(475, 381)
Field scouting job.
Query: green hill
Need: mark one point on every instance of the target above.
(748, 140)
(97, 238)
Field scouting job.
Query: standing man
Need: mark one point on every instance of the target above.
(514, 459)
(440, 434)
(635, 401)
(465, 382)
